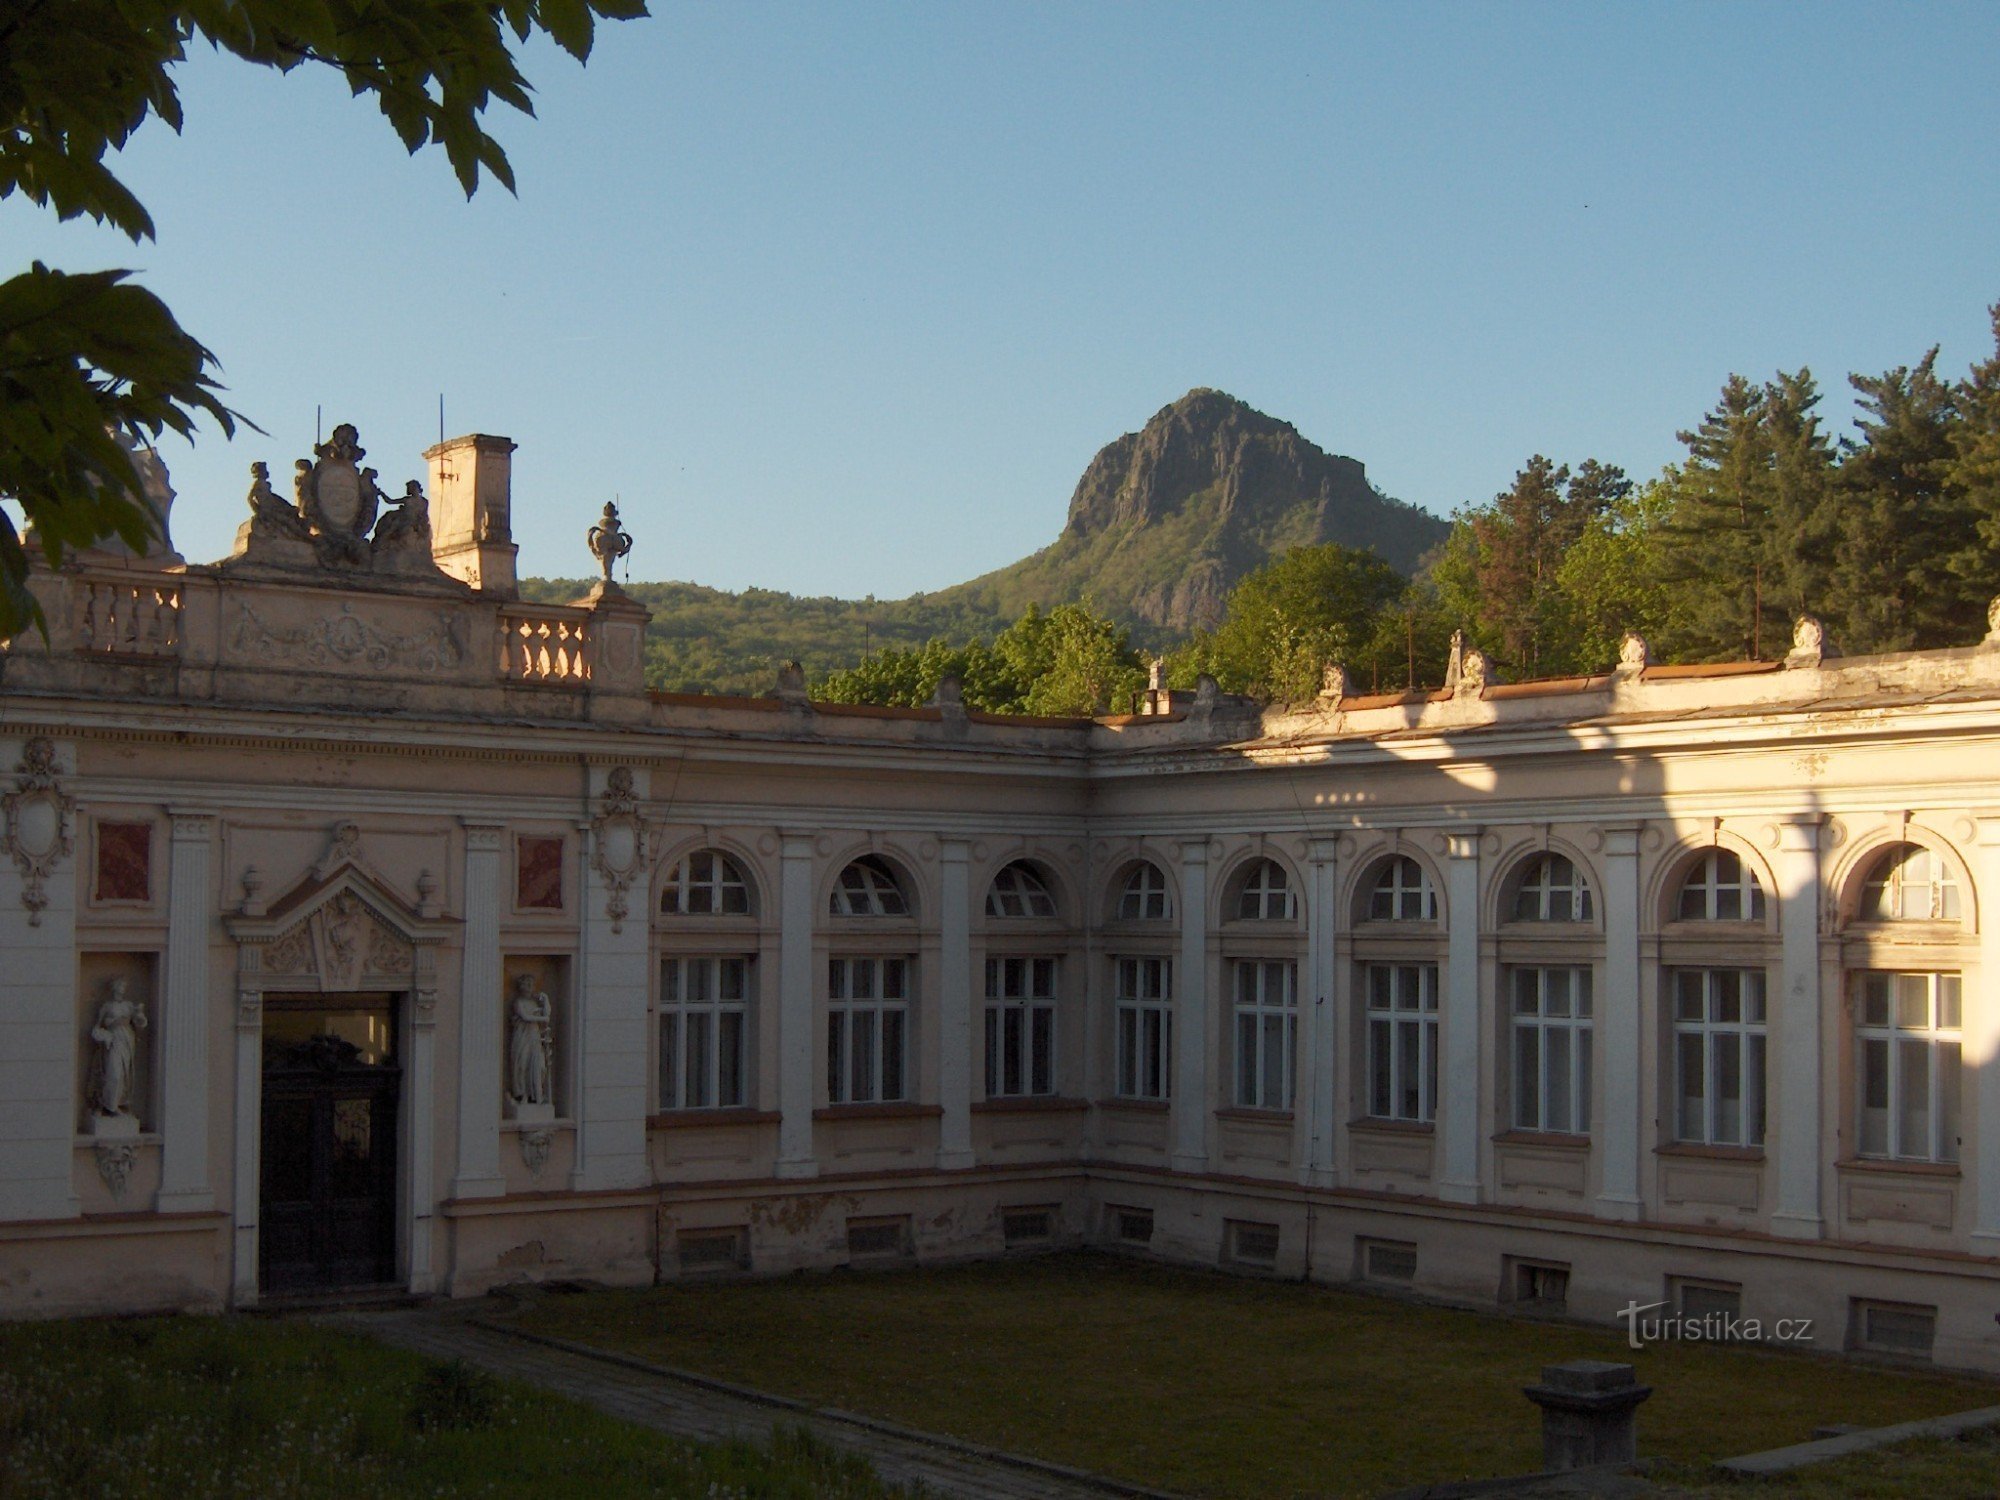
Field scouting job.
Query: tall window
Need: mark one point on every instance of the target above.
(1402, 1041)
(1552, 890)
(1551, 1049)
(1143, 897)
(706, 883)
(1018, 891)
(867, 1029)
(1267, 1018)
(1908, 1045)
(1719, 1055)
(868, 888)
(704, 1018)
(1720, 888)
(1020, 1026)
(1145, 1025)
(1265, 895)
(1910, 884)
(1402, 893)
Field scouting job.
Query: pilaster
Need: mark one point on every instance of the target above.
(479, 1019)
(954, 1010)
(795, 1008)
(1618, 1029)
(608, 1017)
(183, 1020)
(1796, 1057)
(1316, 1113)
(1458, 1107)
(1192, 1104)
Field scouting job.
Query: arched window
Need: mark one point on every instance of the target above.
(706, 883)
(1402, 893)
(1018, 891)
(1720, 888)
(1552, 890)
(868, 888)
(1265, 894)
(1143, 897)
(1910, 883)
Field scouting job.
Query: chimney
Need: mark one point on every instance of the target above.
(471, 530)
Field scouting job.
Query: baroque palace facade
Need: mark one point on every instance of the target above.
(365, 926)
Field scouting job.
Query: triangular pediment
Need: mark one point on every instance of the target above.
(339, 929)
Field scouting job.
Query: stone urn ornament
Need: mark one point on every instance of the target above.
(608, 541)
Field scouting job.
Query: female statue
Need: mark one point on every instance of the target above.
(119, 1021)
(529, 1044)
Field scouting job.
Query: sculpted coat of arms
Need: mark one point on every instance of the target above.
(338, 517)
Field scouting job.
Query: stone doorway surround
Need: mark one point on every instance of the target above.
(341, 929)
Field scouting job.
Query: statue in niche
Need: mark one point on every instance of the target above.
(530, 1051)
(120, 1019)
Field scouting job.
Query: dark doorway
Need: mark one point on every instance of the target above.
(331, 1079)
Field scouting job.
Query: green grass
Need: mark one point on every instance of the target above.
(1965, 1468)
(1214, 1385)
(175, 1408)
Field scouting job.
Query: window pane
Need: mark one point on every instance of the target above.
(1688, 995)
(729, 1060)
(1582, 1122)
(861, 1064)
(1913, 1001)
(1527, 1077)
(1875, 1097)
(1409, 1078)
(1753, 1090)
(1246, 1059)
(1947, 1113)
(1562, 1101)
(1042, 1080)
(1379, 1069)
(836, 1055)
(1913, 1089)
(1010, 1049)
(1128, 1052)
(670, 1097)
(1728, 1091)
(1689, 1049)
(1580, 980)
(1948, 1006)
(892, 1054)
(698, 1043)
(992, 1049)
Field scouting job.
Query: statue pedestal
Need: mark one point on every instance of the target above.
(114, 1127)
(530, 1114)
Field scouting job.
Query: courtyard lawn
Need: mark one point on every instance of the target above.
(174, 1408)
(1214, 1385)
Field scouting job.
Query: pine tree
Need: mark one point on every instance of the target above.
(1972, 480)
(1899, 523)
(1718, 543)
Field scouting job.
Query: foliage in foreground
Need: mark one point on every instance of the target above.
(162, 1409)
(1215, 1385)
(85, 357)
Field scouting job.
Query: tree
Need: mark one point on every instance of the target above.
(1286, 622)
(85, 358)
(1523, 537)
(1899, 522)
(1612, 579)
(1972, 478)
(1719, 537)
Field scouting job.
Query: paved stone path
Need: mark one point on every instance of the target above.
(710, 1411)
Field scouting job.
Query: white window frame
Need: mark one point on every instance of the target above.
(1265, 1013)
(1401, 1000)
(1266, 894)
(1143, 1019)
(1930, 1031)
(1544, 895)
(1711, 885)
(1719, 1020)
(1021, 994)
(1145, 895)
(1401, 883)
(706, 883)
(868, 1028)
(704, 1046)
(1019, 891)
(1911, 875)
(1543, 1011)
(874, 890)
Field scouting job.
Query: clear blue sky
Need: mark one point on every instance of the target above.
(841, 299)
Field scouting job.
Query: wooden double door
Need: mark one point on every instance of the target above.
(332, 1082)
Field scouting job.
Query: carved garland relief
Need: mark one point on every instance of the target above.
(39, 824)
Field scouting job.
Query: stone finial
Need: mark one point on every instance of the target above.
(1475, 671)
(1454, 667)
(1156, 672)
(608, 541)
(792, 682)
(950, 694)
(1634, 655)
(1809, 644)
(1993, 623)
(1207, 694)
(1333, 685)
